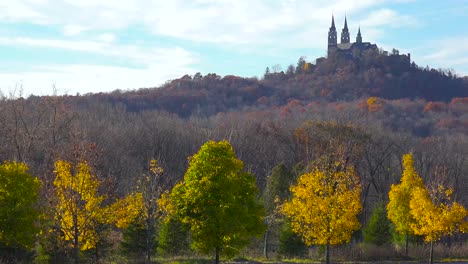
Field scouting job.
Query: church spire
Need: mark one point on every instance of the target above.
(359, 37)
(332, 37)
(345, 33)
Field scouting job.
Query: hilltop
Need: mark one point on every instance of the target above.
(336, 79)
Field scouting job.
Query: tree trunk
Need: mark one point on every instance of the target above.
(76, 245)
(431, 255)
(327, 254)
(265, 245)
(149, 237)
(76, 249)
(148, 243)
(217, 256)
(406, 245)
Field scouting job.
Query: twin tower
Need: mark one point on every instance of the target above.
(345, 44)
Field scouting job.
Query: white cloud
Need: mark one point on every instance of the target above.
(82, 78)
(82, 45)
(388, 17)
(73, 30)
(107, 37)
(240, 22)
(12, 11)
(262, 26)
(137, 54)
(450, 53)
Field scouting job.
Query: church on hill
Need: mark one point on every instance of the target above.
(351, 49)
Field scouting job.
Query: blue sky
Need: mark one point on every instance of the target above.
(83, 46)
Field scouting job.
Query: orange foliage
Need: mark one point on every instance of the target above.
(435, 107)
(374, 104)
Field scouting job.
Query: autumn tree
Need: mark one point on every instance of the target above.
(18, 209)
(218, 201)
(436, 215)
(398, 207)
(325, 205)
(79, 207)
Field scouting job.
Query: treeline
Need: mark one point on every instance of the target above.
(334, 79)
(118, 145)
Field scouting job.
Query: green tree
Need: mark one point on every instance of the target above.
(276, 191)
(325, 205)
(218, 200)
(18, 206)
(134, 242)
(290, 244)
(398, 207)
(173, 238)
(378, 230)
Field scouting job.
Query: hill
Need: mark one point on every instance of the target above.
(374, 74)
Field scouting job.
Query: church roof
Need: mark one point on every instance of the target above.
(344, 46)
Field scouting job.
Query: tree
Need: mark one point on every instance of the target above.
(290, 244)
(173, 238)
(398, 207)
(300, 65)
(435, 215)
(218, 201)
(276, 191)
(325, 205)
(377, 232)
(18, 206)
(151, 187)
(134, 241)
(79, 209)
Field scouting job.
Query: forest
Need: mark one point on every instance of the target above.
(130, 176)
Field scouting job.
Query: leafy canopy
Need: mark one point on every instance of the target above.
(435, 215)
(18, 211)
(398, 207)
(325, 205)
(218, 201)
(79, 207)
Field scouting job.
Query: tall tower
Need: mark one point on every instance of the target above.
(359, 37)
(345, 33)
(332, 38)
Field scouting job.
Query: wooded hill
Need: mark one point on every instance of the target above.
(372, 110)
(330, 80)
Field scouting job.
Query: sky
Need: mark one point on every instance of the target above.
(91, 46)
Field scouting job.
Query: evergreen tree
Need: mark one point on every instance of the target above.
(173, 238)
(291, 244)
(134, 242)
(378, 230)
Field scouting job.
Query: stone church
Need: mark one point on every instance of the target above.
(345, 46)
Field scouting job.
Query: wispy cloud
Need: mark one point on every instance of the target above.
(451, 53)
(274, 28)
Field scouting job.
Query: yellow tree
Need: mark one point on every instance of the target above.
(78, 206)
(325, 205)
(436, 215)
(398, 207)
